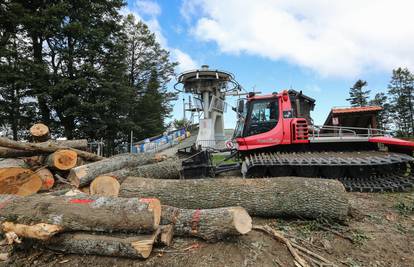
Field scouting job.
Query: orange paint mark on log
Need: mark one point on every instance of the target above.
(195, 220)
(147, 200)
(81, 201)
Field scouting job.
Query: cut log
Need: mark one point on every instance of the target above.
(137, 246)
(81, 213)
(209, 224)
(81, 144)
(166, 236)
(19, 181)
(6, 152)
(298, 197)
(39, 132)
(48, 147)
(47, 178)
(105, 186)
(62, 160)
(83, 175)
(168, 169)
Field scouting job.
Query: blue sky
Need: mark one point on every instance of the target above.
(319, 47)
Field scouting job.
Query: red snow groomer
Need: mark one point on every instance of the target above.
(275, 136)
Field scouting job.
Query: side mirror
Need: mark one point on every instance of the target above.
(240, 107)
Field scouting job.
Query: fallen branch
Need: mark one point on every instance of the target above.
(278, 236)
(337, 233)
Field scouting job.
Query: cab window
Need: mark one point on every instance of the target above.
(264, 115)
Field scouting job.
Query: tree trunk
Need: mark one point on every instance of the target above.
(19, 181)
(209, 224)
(137, 246)
(272, 197)
(105, 186)
(49, 147)
(62, 160)
(83, 175)
(39, 132)
(80, 213)
(47, 178)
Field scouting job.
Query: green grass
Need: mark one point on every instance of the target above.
(217, 158)
(405, 208)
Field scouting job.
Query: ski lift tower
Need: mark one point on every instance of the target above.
(210, 88)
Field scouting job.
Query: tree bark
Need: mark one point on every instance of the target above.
(105, 186)
(83, 175)
(272, 197)
(80, 213)
(47, 178)
(168, 169)
(7, 163)
(19, 181)
(62, 160)
(39, 132)
(6, 152)
(137, 246)
(209, 224)
(48, 147)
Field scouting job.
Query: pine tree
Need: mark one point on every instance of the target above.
(17, 109)
(401, 89)
(358, 97)
(149, 71)
(381, 100)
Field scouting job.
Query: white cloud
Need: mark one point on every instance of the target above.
(333, 38)
(151, 8)
(148, 7)
(185, 61)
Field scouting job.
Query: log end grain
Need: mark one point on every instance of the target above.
(144, 245)
(166, 236)
(47, 178)
(63, 159)
(154, 205)
(105, 186)
(241, 220)
(39, 130)
(76, 174)
(19, 181)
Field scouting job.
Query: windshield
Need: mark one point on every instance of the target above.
(263, 116)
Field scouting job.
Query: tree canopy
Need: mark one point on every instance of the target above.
(83, 69)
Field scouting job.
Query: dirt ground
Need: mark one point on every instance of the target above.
(379, 232)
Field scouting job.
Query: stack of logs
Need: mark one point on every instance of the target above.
(112, 206)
